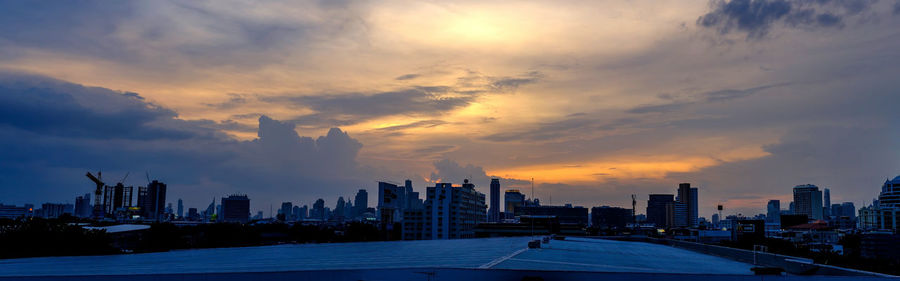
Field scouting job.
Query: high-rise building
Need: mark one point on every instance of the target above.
(180, 209)
(361, 202)
(826, 203)
(339, 209)
(658, 209)
(808, 201)
(494, 214)
(318, 210)
(512, 199)
(236, 208)
(391, 201)
(687, 196)
(152, 200)
(883, 213)
(773, 212)
(302, 213)
(193, 215)
(54, 210)
(287, 211)
(83, 206)
(452, 212)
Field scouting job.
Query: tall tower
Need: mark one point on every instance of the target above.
(827, 206)
(688, 197)
(494, 215)
(808, 201)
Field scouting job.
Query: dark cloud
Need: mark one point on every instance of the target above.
(53, 131)
(47, 106)
(233, 101)
(897, 8)
(418, 124)
(705, 97)
(407, 76)
(574, 126)
(757, 17)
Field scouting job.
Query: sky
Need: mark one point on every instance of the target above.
(593, 100)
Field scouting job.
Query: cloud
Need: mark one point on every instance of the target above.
(757, 17)
(52, 131)
(48, 106)
(418, 124)
(447, 170)
(410, 76)
(705, 97)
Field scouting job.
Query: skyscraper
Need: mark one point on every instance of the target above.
(512, 199)
(180, 209)
(361, 202)
(287, 210)
(452, 212)
(658, 209)
(827, 203)
(688, 197)
(236, 208)
(494, 214)
(808, 201)
(318, 210)
(83, 206)
(391, 199)
(152, 200)
(773, 212)
(339, 209)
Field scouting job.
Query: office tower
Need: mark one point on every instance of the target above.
(883, 213)
(688, 197)
(848, 210)
(286, 211)
(715, 220)
(827, 203)
(408, 188)
(303, 213)
(348, 209)
(677, 215)
(83, 206)
(693, 208)
(152, 199)
(318, 210)
(193, 215)
(606, 217)
(54, 210)
(339, 209)
(808, 201)
(452, 212)
(658, 206)
(361, 202)
(210, 212)
(512, 199)
(180, 209)
(391, 199)
(494, 214)
(236, 208)
(773, 212)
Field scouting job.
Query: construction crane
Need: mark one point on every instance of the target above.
(125, 177)
(98, 193)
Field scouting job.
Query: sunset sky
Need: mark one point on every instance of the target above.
(595, 100)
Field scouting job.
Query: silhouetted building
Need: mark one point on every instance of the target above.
(302, 213)
(116, 197)
(361, 202)
(884, 213)
(286, 211)
(193, 215)
(452, 212)
(318, 210)
(14, 212)
(83, 206)
(788, 221)
(152, 200)
(826, 212)
(773, 212)
(808, 201)
(339, 209)
(236, 208)
(512, 199)
(54, 210)
(391, 199)
(605, 217)
(564, 214)
(494, 213)
(658, 206)
(180, 209)
(688, 196)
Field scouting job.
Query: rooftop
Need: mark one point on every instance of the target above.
(575, 254)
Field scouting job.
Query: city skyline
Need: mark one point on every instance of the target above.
(307, 100)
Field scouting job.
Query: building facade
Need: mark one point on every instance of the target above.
(808, 201)
(451, 212)
(236, 208)
(494, 213)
